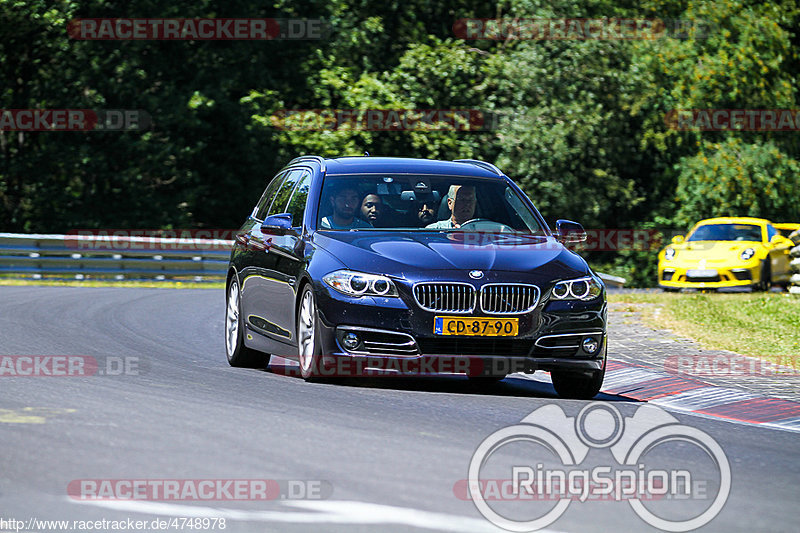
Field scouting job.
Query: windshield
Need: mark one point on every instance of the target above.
(726, 232)
(423, 203)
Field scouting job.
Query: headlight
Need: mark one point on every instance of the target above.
(578, 289)
(359, 284)
(747, 254)
(669, 254)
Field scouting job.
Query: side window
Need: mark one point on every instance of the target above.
(269, 194)
(285, 191)
(771, 232)
(297, 203)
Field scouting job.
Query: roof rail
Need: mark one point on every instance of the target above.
(316, 158)
(483, 164)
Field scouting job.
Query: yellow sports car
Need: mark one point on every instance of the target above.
(726, 252)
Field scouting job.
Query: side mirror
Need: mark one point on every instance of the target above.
(677, 239)
(569, 231)
(277, 224)
(777, 239)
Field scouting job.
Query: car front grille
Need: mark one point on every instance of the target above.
(499, 298)
(445, 297)
(495, 298)
(698, 279)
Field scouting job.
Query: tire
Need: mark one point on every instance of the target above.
(766, 277)
(571, 385)
(238, 354)
(308, 342)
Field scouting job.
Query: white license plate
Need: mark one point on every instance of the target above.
(701, 273)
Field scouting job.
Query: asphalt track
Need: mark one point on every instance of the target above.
(387, 453)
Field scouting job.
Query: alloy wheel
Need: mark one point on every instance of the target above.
(306, 331)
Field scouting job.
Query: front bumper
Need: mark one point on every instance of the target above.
(680, 277)
(397, 335)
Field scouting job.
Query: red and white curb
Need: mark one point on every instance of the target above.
(695, 396)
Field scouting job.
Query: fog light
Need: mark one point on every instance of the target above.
(350, 341)
(590, 345)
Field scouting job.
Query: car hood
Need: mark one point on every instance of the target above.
(713, 250)
(405, 254)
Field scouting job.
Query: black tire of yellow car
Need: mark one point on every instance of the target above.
(766, 276)
(571, 385)
(242, 356)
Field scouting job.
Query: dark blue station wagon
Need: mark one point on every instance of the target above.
(361, 264)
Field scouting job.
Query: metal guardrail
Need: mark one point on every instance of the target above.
(113, 257)
(81, 257)
(611, 281)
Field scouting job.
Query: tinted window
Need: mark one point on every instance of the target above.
(284, 192)
(297, 204)
(269, 194)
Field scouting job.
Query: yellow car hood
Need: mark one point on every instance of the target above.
(712, 251)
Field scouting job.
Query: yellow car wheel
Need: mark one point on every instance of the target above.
(766, 277)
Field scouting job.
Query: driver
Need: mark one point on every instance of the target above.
(461, 200)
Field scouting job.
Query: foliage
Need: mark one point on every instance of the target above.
(735, 178)
(582, 123)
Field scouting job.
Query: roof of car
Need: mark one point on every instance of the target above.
(406, 165)
(787, 225)
(734, 220)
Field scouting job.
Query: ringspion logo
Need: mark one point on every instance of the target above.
(654, 463)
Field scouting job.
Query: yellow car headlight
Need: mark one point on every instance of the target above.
(669, 254)
(747, 254)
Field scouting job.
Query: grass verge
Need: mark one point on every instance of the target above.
(764, 325)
